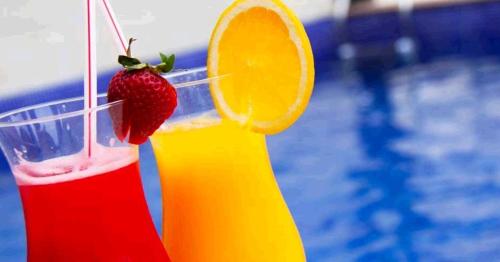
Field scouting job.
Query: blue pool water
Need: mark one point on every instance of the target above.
(399, 166)
(395, 166)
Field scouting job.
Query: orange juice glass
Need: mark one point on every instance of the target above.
(221, 200)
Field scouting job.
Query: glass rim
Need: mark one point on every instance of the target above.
(98, 108)
(206, 80)
(45, 119)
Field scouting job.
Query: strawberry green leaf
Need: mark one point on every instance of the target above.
(167, 63)
(128, 61)
(164, 58)
(164, 68)
(136, 67)
(170, 61)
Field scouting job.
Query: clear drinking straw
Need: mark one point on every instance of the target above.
(114, 26)
(121, 42)
(90, 76)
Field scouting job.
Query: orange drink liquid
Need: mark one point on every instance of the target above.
(221, 200)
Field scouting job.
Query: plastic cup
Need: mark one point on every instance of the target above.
(78, 207)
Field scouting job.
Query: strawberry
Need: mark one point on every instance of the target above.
(149, 99)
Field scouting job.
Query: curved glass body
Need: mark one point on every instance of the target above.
(221, 200)
(78, 207)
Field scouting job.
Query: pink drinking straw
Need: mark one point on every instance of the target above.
(90, 76)
(114, 26)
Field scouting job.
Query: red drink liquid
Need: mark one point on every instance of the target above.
(99, 214)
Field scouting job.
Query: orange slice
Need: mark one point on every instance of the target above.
(263, 59)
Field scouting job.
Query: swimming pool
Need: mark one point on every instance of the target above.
(396, 166)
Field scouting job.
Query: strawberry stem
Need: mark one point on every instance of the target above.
(129, 51)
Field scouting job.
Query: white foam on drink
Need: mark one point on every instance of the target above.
(195, 121)
(73, 167)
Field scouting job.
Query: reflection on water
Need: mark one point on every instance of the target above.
(390, 220)
(393, 166)
(455, 144)
(398, 166)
